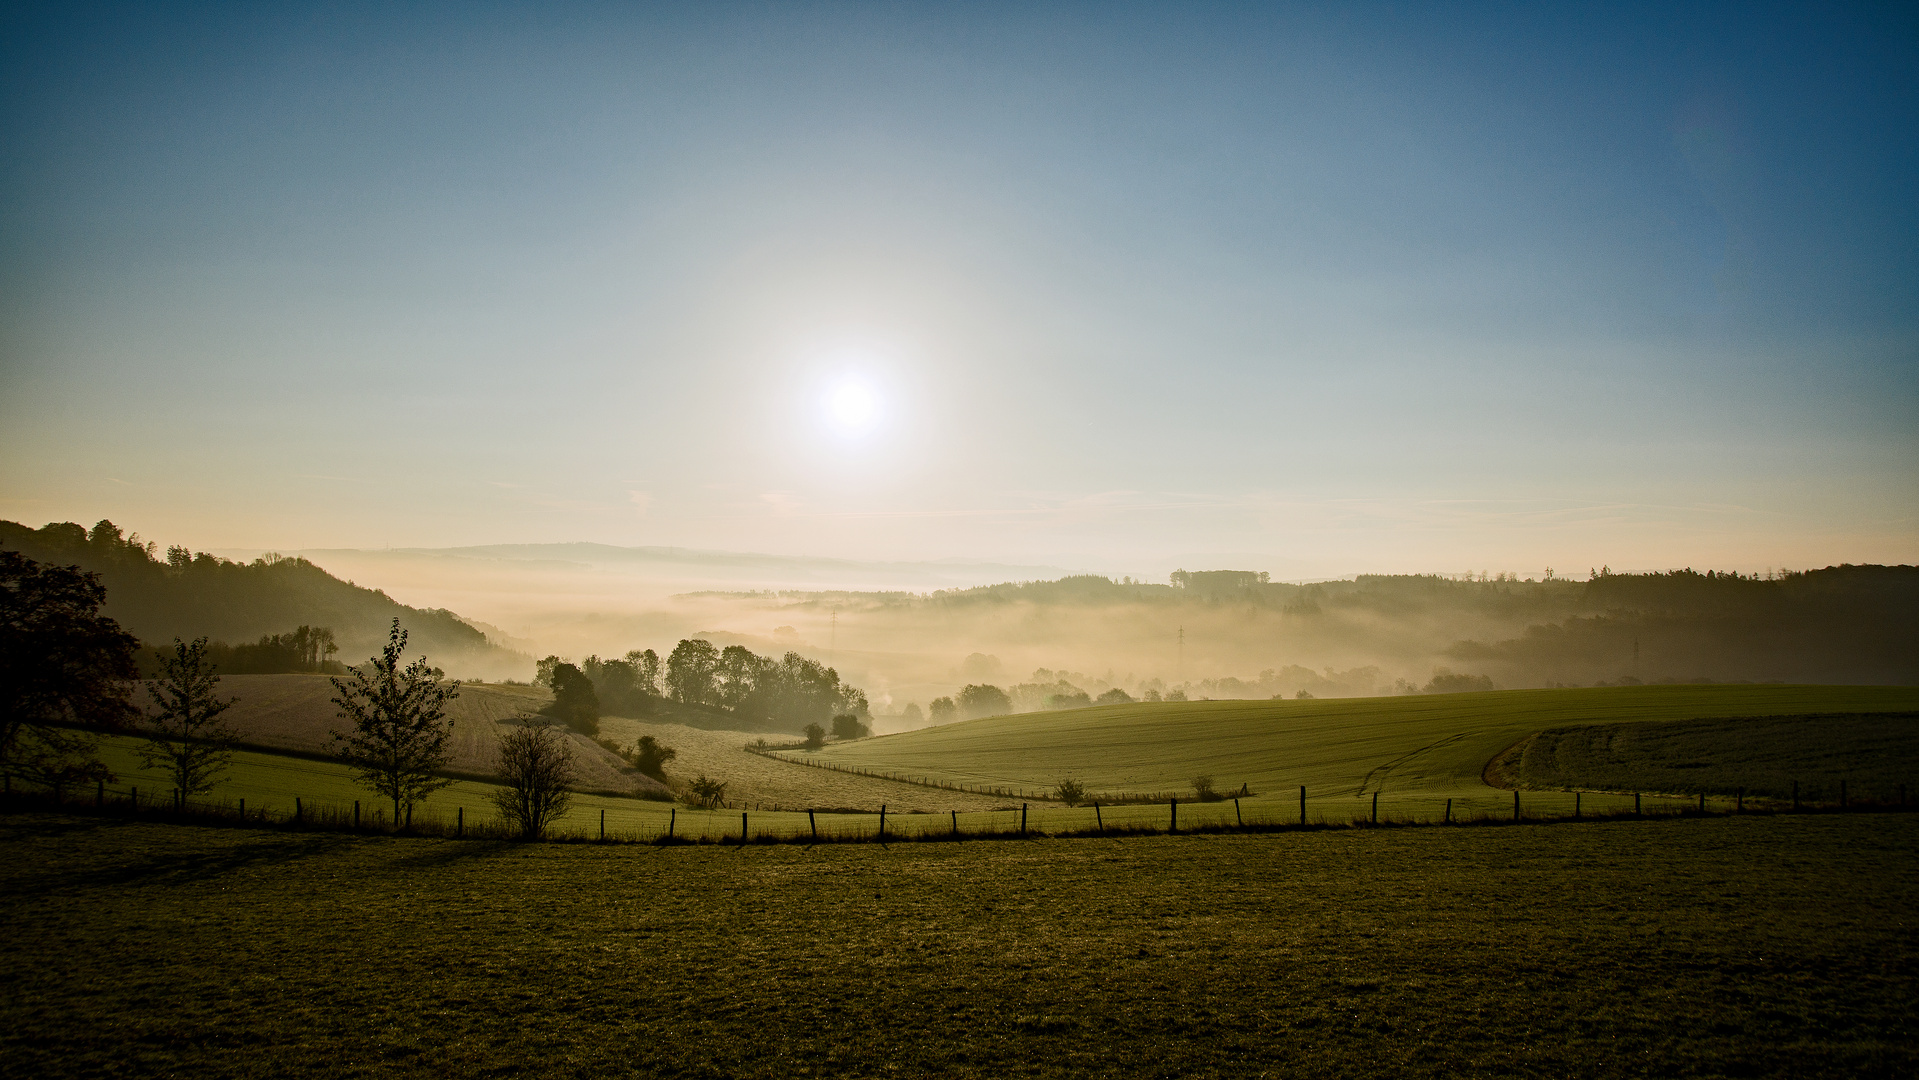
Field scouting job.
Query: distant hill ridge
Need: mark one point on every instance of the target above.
(187, 594)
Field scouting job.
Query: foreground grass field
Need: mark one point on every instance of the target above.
(1704, 947)
(1421, 749)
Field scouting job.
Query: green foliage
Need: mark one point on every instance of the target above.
(400, 731)
(62, 662)
(188, 735)
(1115, 696)
(848, 726)
(536, 770)
(815, 736)
(1203, 788)
(942, 710)
(1070, 791)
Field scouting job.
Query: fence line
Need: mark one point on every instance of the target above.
(338, 817)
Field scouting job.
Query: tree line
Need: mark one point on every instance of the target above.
(791, 692)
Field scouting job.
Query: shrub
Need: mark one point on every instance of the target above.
(815, 736)
(1070, 791)
(536, 768)
(708, 793)
(1203, 787)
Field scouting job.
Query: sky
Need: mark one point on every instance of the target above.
(1315, 289)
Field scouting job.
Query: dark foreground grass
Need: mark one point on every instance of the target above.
(1761, 946)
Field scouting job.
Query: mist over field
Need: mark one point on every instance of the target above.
(909, 633)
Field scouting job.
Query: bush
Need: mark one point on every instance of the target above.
(848, 726)
(815, 736)
(708, 793)
(1203, 787)
(536, 767)
(1070, 791)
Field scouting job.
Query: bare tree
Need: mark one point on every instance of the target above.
(400, 730)
(188, 737)
(536, 768)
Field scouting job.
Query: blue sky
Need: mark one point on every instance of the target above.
(1371, 288)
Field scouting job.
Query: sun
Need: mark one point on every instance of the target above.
(853, 408)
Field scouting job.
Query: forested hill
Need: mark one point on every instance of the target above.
(187, 595)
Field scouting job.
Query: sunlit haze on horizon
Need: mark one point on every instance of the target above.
(1376, 289)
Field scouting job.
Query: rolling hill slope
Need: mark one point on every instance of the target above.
(1424, 748)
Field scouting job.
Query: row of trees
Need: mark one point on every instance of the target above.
(792, 692)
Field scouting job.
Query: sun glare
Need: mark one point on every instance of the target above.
(853, 408)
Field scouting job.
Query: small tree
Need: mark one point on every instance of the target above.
(1203, 787)
(848, 726)
(536, 769)
(188, 737)
(651, 758)
(942, 710)
(815, 736)
(1070, 791)
(708, 793)
(400, 730)
(575, 703)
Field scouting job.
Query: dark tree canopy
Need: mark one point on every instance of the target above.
(574, 702)
(62, 663)
(983, 700)
(536, 773)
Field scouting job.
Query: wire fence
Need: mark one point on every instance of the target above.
(649, 824)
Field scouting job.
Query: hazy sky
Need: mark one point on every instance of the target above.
(1340, 287)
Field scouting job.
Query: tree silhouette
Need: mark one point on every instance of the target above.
(400, 730)
(61, 663)
(188, 737)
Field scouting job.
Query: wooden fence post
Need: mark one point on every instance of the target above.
(459, 824)
(243, 811)
(1702, 802)
(1449, 811)
(1515, 804)
(1635, 804)
(672, 816)
(1739, 807)
(1175, 805)
(814, 825)
(409, 817)
(1302, 804)
(882, 823)
(956, 824)
(1575, 806)
(743, 826)
(1375, 807)
(1099, 819)
(356, 813)
(1241, 818)
(298, 809)
(1022, 819)
(133, 795)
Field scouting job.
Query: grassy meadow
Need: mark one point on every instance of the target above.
(1757, 946)
(1416, 751)
(1764, 757)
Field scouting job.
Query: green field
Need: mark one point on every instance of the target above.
(1754, 947)
(1416, 751)
(1764, 757)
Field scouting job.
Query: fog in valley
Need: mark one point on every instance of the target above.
(911, 633)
